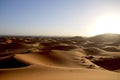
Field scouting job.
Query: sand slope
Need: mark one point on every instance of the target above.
(54, 73)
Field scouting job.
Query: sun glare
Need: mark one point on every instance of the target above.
(106, 24)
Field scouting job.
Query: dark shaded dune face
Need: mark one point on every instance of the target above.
(111, 49)
(14, 46)
(10, 62)
(2, 50)
(2, 39)
(92, 51)
(60, 47)
(65, 48)
(57, 46)
(4, 47)
(109, 64)
(5, 55)
(50, 44)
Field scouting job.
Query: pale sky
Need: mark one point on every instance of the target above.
(55, 17)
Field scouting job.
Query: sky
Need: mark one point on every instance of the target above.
(55, 17)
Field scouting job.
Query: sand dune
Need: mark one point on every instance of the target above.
(45, 73)
(25, 58)
(111, 48)
(10, 62)
(71, 58)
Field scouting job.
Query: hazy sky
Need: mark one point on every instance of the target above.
(53, 17)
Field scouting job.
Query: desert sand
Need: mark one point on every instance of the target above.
(60, 58)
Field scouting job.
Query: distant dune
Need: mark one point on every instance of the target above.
(105, 38)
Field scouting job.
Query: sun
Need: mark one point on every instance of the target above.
(106, 24)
